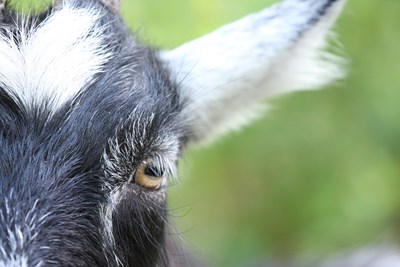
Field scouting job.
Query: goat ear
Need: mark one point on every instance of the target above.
(223, 75)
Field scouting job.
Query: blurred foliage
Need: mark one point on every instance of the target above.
(29, 6)
(318, 174)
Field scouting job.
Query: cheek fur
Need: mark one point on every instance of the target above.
(139, 222)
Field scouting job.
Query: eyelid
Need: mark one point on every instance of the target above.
(153, 171)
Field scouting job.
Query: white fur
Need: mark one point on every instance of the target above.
(15, 262)
(20, 235)
(55, 59)
(164, 156)
(226, 73)
(107, 224)
(13, 258)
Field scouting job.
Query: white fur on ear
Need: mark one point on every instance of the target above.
(113, 5)
(224, 74)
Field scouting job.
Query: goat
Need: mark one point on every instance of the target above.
(92, 122)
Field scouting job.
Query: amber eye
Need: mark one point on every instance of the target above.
(149, 176)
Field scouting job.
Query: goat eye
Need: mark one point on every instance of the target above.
(148, 176)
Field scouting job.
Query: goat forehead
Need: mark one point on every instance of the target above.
(82, 57)
(80, 60)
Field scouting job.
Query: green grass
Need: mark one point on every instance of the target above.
(318, 174)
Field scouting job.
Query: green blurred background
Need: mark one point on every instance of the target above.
(318, 174)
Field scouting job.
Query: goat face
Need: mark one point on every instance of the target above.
(92, 122)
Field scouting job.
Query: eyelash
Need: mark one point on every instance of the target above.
(149, 176)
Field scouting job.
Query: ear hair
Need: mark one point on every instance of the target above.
(113, 5)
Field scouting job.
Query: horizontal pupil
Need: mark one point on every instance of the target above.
(153, 171)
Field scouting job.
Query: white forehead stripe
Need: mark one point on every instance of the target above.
(56, 59)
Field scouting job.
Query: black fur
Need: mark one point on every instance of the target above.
(52, 172)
